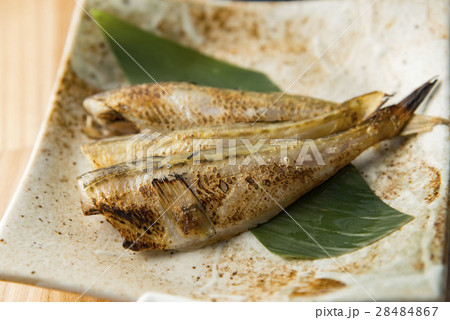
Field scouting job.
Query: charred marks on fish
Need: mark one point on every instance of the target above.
(183, 208)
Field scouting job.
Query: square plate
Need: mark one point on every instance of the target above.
(341, 49)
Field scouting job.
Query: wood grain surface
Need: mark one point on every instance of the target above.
(32, 36)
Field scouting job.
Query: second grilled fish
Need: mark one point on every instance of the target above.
(107, 152)
(179, 105)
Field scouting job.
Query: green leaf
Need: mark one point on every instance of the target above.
(166, 60)
(341, 215)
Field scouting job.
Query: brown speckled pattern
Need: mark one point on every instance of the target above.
(189, 105)
(46, 241)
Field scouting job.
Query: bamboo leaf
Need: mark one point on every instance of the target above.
(341, 215)
(166, 60)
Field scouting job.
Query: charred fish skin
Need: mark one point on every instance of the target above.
(110, 151)
(234, 198)
(179, 105)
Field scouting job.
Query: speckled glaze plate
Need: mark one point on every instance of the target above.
(393, 46)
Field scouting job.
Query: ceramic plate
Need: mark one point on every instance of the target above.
(340, 49)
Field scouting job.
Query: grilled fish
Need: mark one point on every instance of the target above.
(107, 152)
(175, 203)
(178, 105)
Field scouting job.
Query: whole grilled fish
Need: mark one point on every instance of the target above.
(107, 152)
(179, 105)
(178, 203)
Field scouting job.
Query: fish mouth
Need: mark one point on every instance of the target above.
(97, 106)
(103, 121)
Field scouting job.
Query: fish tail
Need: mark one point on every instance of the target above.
(391, 120)
(413, 100)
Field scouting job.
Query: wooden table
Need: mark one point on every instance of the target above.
(32, 35)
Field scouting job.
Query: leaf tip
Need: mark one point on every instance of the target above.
(97, 14)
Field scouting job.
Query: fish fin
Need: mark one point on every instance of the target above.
(385, 99)
(183, 208)
(422, 123)
(368, 103)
